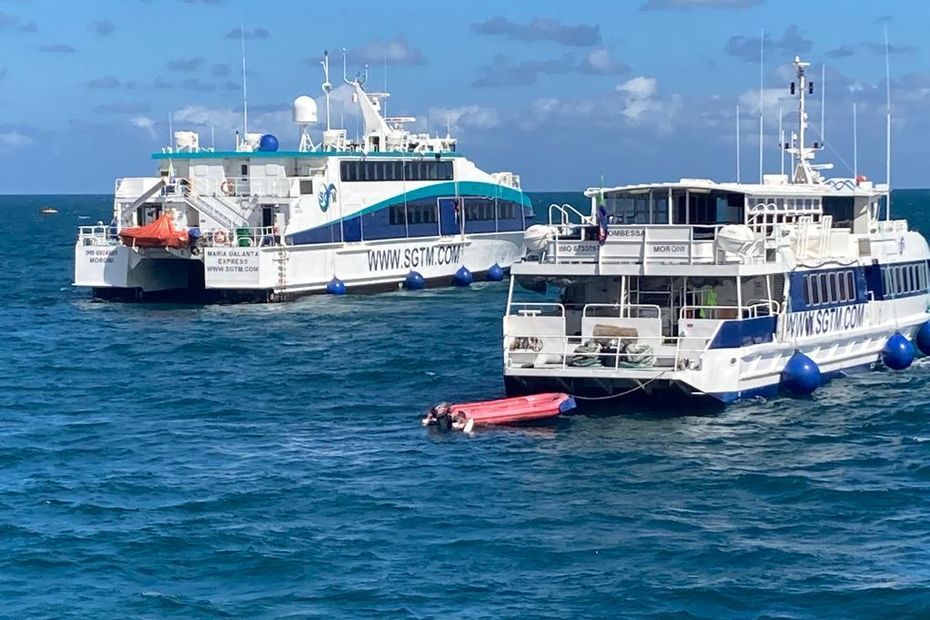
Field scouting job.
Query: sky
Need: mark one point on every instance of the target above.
(566, 94)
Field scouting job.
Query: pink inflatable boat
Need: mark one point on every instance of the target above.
(465, 416)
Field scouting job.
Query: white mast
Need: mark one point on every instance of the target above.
(823, 103)
(737, 144)
(887, 126)
(803, 172)
(327, 85)
(781, 143)
(245, 92)
(855, 143)
(761, 96)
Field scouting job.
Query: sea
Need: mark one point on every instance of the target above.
(267, 461)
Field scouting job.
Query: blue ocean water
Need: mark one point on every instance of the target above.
(266, 461)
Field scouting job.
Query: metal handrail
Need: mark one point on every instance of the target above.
(566, 210)
(623, 310)
(243, 236)
(746, 312)
(533, 305)
(617, 356)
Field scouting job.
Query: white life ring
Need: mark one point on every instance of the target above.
(220, 237)
(227, 187)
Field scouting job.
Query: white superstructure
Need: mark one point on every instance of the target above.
(717, 290)
(392, 207)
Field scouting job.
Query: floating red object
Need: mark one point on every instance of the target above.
(465, 416)
(159, 234)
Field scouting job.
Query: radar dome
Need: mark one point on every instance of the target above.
(304, 110)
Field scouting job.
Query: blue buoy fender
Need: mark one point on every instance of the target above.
(336, 287)
(414, 281)
(923, 338)
(462, 277)
(898, 352)
(801, 375)
(495, 273)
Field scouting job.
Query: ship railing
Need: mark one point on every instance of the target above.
(230, 187)
(563, 215)
(242, 237)
(643, 244)
(656, 354)
(754, 309)
(98, 235)
(622, 311)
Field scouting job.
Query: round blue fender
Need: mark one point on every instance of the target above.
(414, 281)
(801, 375)
(898, 352)
(495, 273)
(336, 287)
(923, 338)
(463, 277)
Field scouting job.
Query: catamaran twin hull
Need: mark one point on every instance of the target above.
(277, 272)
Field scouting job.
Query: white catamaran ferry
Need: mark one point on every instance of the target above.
(393, 208)
(718, 290)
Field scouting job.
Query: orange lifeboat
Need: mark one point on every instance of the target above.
(159, 234)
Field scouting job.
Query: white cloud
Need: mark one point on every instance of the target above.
(397, 51)
(640, 104)
(12, 139)
(464, 118)
(145, 123)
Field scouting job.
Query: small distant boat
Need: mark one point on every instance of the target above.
(465, 416)
(48, 211)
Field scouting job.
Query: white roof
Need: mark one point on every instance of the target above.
(843, 187)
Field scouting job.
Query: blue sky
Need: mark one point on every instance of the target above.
(559, 92)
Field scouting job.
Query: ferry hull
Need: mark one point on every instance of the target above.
(726, 376)
(277, 273)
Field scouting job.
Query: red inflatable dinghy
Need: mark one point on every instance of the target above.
(465, 416)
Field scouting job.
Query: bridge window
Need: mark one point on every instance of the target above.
(393, 170)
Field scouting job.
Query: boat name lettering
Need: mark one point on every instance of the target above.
(577, 249)
(100, 256)
(815, 322)
(233, 261)
(625, 232)
(410, 258)
(670, 248)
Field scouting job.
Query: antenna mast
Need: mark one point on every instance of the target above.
(245, 92)
(803, 172)
(855, 143)
(327, 86)
(761, 96)
(823, 103)
(887, 126)
(781, 142)
(737, 144)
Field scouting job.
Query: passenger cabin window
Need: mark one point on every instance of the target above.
(422, 170)
(306, 186)
(900, 280)
(244, 170)
(841, 208)
(835, 287)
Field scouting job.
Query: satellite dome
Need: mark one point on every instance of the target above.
(304, 110)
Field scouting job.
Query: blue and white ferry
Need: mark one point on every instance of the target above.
(390, 209)
(720, 291)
